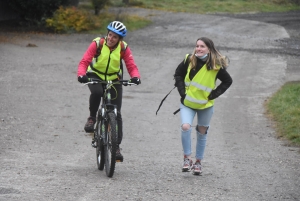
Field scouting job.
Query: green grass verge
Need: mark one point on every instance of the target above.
(284, 108)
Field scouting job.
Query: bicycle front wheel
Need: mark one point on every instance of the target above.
(111, 145)
(100, 130)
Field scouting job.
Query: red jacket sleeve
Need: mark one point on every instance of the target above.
(86, 59)
(130, 64)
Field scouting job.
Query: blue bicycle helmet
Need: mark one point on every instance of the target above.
(118, 28)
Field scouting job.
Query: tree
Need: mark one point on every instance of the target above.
(99, 5)
(35, 10)
(74, 3)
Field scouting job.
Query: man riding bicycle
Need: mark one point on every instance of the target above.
(103, 60)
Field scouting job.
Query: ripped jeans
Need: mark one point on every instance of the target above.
(203, 119)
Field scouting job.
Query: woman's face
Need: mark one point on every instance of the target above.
(201, 49)
(112, 39)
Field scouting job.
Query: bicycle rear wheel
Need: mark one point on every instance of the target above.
(111, 145)
(99, 143)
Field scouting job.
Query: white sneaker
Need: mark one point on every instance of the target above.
(197, 168)
(187, 164)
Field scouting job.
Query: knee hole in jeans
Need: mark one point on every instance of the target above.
(202, 129)
(185, 127)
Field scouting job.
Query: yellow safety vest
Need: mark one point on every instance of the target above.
(107, 64)
(199, 88)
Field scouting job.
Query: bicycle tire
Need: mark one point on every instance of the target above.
(111, 146)
(100, 154)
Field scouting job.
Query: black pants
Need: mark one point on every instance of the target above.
(116, 96)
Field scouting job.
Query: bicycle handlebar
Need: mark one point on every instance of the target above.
(96, 81)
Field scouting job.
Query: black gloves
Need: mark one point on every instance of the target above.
(83, 79)
(135, 80)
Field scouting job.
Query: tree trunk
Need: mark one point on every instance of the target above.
(74, 3)
(96, 10)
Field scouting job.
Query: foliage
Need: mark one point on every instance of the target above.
(71, 19)
(36, 10)
(284, 109)
(81, 19)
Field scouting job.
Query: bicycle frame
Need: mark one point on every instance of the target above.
(107, 106)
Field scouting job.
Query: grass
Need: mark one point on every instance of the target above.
(284, 109)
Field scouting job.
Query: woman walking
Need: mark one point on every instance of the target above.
(195, 79)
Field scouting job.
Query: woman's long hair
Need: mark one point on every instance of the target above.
(215, 59)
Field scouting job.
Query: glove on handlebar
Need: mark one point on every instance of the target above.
(83, 79)
(135, 80)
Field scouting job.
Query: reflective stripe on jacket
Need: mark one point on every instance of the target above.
(199, 88)
(107, 64)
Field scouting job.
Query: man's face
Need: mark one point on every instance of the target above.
(112, 39)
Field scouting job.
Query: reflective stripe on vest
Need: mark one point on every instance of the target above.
(204, 88)
(199, 88)
(107, 64)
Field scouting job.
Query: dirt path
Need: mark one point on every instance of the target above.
(45, 155)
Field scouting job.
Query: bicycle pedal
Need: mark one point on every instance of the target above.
(93, 145)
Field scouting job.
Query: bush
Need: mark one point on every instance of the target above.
(36, 10)
(71, 19)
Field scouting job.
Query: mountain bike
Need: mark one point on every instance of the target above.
(106, 127)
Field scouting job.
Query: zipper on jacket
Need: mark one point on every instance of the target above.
(107, 65)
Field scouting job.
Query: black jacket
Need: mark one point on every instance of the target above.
(181, 72)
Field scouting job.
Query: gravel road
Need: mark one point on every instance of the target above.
(45, 154)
